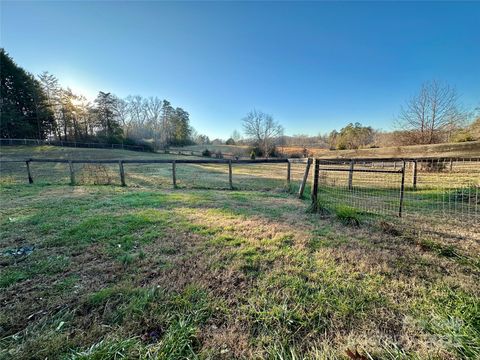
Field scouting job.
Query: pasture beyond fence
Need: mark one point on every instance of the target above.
(427, 190)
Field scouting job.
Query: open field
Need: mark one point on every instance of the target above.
(147, 271)
(465, 149)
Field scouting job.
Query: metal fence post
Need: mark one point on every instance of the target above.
(402, 191)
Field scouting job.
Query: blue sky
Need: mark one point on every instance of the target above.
(314, 66)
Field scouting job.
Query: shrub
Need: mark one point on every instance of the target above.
(230, 141)
(256, 151)
(252, 155)
(432, 166)
(295, 155)
(206, 153)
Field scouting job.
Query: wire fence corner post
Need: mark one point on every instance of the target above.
(402, 191)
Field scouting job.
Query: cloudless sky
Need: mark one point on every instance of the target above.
(314, 66)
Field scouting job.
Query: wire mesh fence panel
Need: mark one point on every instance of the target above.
(359, 186)
(95, 174)
(445, 195)
(260, 176)
(202, 176)
(13, 173)
(148, 175)
(50, 173)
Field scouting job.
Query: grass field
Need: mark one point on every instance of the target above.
(465, 149)
(147, 271)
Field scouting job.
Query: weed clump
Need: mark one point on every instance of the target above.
(347, 215)
(389, 228)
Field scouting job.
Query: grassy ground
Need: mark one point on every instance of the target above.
(466, 149)
(153, 272)
(236, 150)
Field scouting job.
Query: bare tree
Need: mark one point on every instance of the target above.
(261, 128)
(432, 115)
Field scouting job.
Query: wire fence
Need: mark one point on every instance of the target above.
(260, 174)
(439, 195)
(74, 144)
(434, 191)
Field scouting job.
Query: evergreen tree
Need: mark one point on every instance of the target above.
(24, 110)
(105, 110)
(181, 127)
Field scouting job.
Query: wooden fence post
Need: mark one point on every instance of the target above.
(174, 174)
(315, 186)
(72, 173)
(230, 180)
(289, 168)
(305, 177)
(402, 191)
(350, 175)
(30, 179)
(451, 165)
(122, 173)
(414, 176)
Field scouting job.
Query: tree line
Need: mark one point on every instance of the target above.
(38, 107)
(434, 115)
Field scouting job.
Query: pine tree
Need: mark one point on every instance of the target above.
(24, 111)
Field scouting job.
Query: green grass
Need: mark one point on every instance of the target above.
(156, 273)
